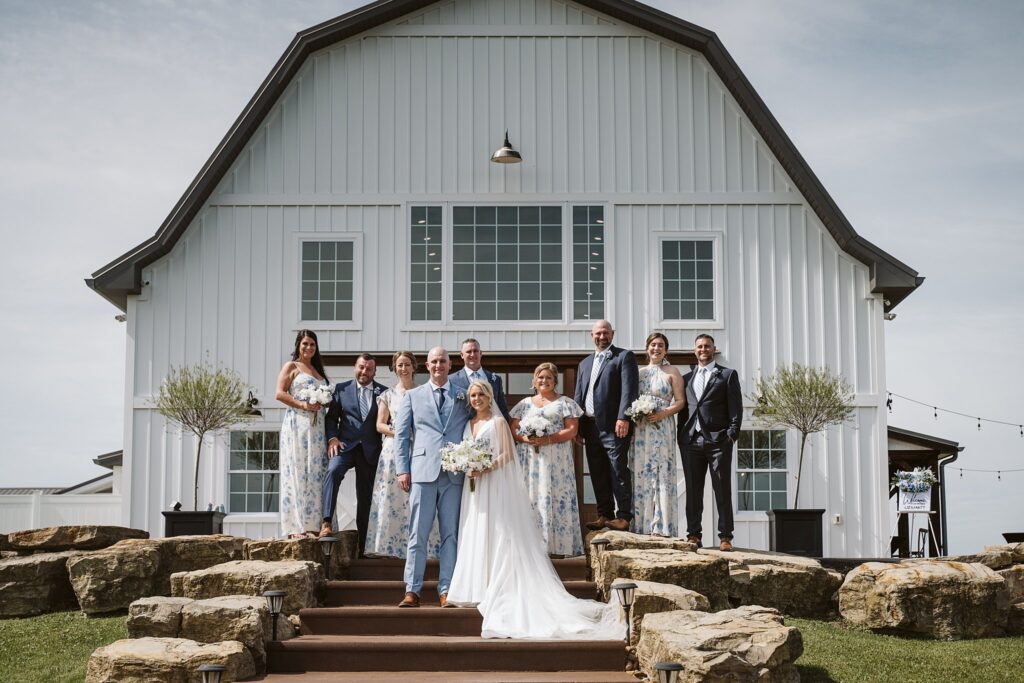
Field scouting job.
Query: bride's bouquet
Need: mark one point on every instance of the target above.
(319, 394)
(643, 407)
(469, 455)
(535, 425)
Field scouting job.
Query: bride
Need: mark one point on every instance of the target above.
(503, 567)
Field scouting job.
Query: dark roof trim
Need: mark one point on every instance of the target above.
(71, 489)
(109, 460)
(123, 276)
(925, 440)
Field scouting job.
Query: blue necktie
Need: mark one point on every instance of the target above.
(440, 400)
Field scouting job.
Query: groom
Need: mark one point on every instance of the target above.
(435, 414)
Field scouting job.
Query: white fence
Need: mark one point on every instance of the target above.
(37, 510)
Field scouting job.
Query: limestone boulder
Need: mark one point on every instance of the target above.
(234, 617)
(1014, 578)
(308, 549)
(83, 537)
(994, 557)
(651, 598)
(157, 617)
(166, 660)
(302, 581)
(1016, 551)
(702, 574)
(35, 584)
(798, 586)
(937, 598)
(748, 643)
(1015, 622)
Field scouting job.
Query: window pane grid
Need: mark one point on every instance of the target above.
(253, 477)
(425, 252)
(588, 262)
(761, 472)
(687, 280)
(327, 280)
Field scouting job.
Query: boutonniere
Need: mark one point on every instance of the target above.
(376, 391)
(460, 396)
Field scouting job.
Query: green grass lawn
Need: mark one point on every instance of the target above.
(54, 647)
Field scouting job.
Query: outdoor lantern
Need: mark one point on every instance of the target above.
(327, 547)
(505, 154)
(625, 592)
(599, 544)
(250, 406)
(668, 672)
(211, 672)
(275, 601)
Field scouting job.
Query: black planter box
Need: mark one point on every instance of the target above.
(797, 532)
(201, 523)
(1014, 536)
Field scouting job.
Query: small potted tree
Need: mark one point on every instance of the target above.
(808, 400)
(202, 400)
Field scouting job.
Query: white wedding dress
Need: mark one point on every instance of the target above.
(503, 567)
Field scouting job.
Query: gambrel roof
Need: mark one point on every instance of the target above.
(123, 276)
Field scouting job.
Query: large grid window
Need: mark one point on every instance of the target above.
(253, 474)
(425, 257)
(688, 280)
(327, 280)
(761, 469)
(507, 263)
(588, 262)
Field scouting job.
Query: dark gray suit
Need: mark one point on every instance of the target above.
(719, 413)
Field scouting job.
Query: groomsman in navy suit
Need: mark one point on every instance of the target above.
(607, 382)
(472, 369)
(353, 441)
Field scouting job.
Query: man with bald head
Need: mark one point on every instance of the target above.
(435, 414)
(607, 382)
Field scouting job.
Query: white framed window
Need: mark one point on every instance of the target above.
(588, 247)
(688, 280)
(426, 267)
(330, 276)
(761, 470)
(254, 472)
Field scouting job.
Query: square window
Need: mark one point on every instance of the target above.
(669, 250)
(529, 272)
(325, 311)
(434, 311)
(744, 460)
(343, 310)
(551, 310)
(507, 310)
(486, 215)
(551, 215)
(328, 251)
(703, 250)
(486, 310)
(529, 215)
(507, 215)
(462, 215)
(529, 310)
(462, 310)
(309, 310)
(705, 311)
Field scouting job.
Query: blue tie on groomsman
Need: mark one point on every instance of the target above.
(353, 441)
(472, 369)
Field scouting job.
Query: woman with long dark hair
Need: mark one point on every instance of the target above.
(303, 448)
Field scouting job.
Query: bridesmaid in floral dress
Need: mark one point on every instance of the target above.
(303, 448)
(653, 453)
(547, 462)
(388, 531)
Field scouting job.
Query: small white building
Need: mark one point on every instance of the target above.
(354, 195)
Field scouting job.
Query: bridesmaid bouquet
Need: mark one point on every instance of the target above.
(643, 407)
(320, 394)
(469, 455)
(536, 425)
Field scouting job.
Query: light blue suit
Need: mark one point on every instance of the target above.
(433, 492)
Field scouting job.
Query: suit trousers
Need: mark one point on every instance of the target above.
(608, 458)
(442, 499)
(338, 466)
(698, 456)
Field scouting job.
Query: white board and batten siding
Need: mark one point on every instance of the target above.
(603, 113)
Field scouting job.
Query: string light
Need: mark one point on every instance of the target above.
(935, 412)
(971, 469)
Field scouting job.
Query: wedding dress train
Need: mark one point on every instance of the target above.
(503, 567)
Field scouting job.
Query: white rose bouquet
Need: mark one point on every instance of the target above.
(535, 425)
(319, 394)
(918, 480)
(469, 455)
(643, 407)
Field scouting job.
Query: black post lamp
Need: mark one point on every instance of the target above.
(625, 591)
(327, 547)
(597, 546)
(275, 601)
(668, 672)
(211, 672)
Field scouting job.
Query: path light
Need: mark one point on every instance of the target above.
(211, 672)
(327, 547)
(599, 544)
(275, 601)
(625, 592)
(668, 672)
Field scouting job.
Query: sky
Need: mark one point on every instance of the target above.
(910, 114)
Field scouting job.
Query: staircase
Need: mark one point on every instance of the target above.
(362, 636)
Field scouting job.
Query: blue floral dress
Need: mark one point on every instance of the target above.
(551, 479)
(387, 533)
(303, 464)
(653, 462)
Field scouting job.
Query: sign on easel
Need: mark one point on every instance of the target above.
(915, 501)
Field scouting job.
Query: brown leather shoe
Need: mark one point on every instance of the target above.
(694, 540)
(618, 524)
(725, 545)
(325, 529)
(443, 599)
(598, 524)
(410, 600)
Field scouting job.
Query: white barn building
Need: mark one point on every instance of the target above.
(354, 196)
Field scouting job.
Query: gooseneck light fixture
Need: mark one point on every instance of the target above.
(275, 601)
(506, 154)
(626, 591)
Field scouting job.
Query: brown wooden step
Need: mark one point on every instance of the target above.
(368, 621)
(453, 676)
(393, 569)
(390, 593)
(432, 653)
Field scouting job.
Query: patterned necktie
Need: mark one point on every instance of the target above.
(364, 401)
(440, 399)
(594, 372)
(477, 375)
(698, 386)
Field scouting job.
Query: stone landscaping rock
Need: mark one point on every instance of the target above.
(157, 617)
(624, 540)
(651, 598)
(234, 617)
(35, 584)
(308, 549)
(800, 591)
(938, 598)
(1016, 550)
(57, 538)
(1014, 578)
(744, 644)
(1015, 623)
(703, 574)
(166, 660)
(303, 581)
(994, 557)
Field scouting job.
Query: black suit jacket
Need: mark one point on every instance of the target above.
(616, 388)
(345, 423)
(719, 411)
(459, 379)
